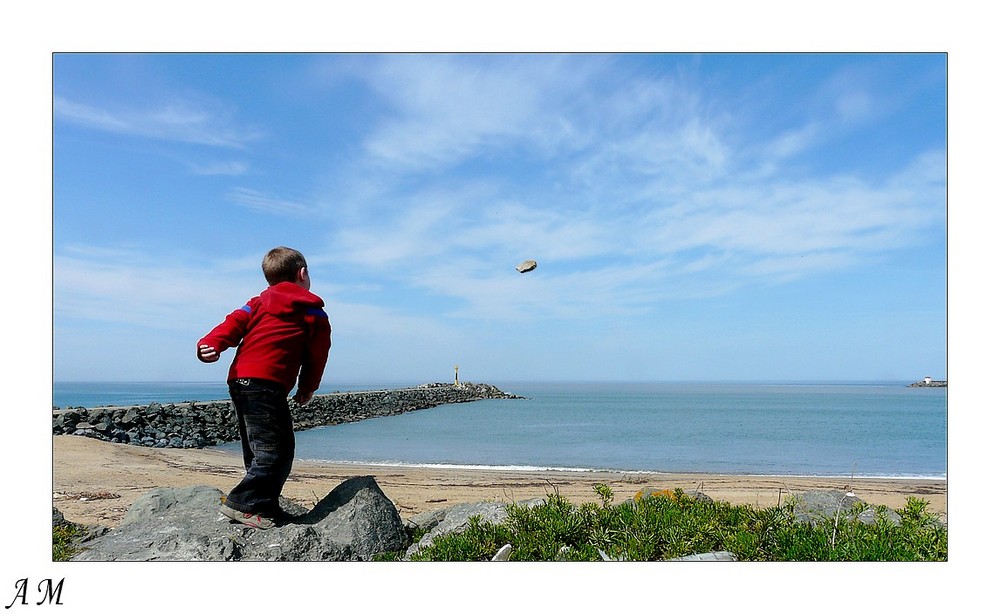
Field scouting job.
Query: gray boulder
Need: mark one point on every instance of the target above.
(354, 522)
(815, 505)
(58, 520)
(650, 492)
(455, 519)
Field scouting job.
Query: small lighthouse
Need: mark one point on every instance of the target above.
(456, 375)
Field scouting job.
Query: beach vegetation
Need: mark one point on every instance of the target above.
(64, 541)
(605, 493)
(658, 528)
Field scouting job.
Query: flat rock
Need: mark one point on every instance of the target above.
(527, 265)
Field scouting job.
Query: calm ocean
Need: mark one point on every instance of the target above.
(822, 429)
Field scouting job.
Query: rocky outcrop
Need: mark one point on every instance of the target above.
(354, 522)
(816, 505)
(197, 424)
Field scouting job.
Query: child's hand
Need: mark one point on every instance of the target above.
(207, 353)
(302, 397)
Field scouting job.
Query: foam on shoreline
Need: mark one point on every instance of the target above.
(542, 469)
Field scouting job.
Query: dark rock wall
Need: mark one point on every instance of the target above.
(198, 424)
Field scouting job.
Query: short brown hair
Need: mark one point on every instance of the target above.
(282, 264)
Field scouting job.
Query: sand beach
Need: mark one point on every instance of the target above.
(95, 482)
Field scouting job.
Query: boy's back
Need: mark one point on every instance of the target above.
(279, 332)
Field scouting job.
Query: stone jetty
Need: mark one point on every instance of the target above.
(197, 424)
(929, 383)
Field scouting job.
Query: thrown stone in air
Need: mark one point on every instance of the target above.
(527, 265)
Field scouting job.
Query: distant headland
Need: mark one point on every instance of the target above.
(927, 382)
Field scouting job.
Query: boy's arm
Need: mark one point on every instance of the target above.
(314, 362)
(226, 335)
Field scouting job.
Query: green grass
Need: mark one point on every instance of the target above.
(63, 542)
(670, 524)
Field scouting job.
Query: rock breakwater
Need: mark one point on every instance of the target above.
(197, 424)
(929, 383)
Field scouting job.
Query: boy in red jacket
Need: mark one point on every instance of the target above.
(283, 335)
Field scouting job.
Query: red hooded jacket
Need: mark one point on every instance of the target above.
(279, 333)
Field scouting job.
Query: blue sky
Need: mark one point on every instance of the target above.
(694, 216)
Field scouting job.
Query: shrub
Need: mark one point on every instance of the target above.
(63, 542)
(659, 527)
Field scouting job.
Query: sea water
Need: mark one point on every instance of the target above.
(97, 394)
(866, 429)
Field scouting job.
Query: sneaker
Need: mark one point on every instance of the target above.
(252, 520)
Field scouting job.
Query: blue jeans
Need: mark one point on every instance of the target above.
(265, 425)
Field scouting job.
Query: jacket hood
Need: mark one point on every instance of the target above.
(285, 298)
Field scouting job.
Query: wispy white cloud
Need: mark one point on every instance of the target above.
(499, 294)
(448, 108)
(203, 122)
(266, 203)
(792, 142)
(607, 259)
(230, 168)
(127, 286)
(854, 106)
(129, 290)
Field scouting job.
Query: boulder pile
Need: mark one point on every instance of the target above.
(197, 424)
